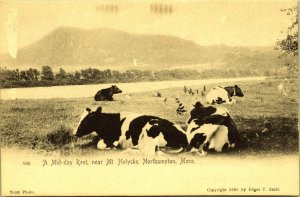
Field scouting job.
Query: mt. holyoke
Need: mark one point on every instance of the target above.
(74, 46)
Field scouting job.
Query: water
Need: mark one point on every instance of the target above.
(81, 91)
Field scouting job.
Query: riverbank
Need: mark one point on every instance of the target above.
(85, 91)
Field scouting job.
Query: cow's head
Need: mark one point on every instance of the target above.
(200, 112)
(238, 91)
(88, 121)
(115, 89)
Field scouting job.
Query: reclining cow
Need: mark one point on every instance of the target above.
(211, 131)
(107, 93)
(128, 130)
(219, 95)
(151, 132)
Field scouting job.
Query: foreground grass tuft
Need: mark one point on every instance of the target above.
(60, 136)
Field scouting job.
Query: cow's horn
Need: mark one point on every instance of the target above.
(99, 109)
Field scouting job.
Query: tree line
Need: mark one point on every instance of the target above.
(46, 77)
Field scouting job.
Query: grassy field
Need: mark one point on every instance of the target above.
(25, 123)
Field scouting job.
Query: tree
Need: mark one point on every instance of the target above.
(47, 73)
(77, 75)
(24, 76)
(32, 74)
(13, 75)
(62, 74)
(289, 45)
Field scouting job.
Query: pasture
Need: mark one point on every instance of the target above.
(26, 123)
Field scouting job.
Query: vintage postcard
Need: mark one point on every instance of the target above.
(156, 97)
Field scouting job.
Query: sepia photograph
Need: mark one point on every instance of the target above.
(149, 97)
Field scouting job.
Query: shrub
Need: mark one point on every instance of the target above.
(60, 136)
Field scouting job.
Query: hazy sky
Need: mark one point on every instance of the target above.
(207, 22)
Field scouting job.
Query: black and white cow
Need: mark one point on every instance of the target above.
(106, 125)
(212, 131)
(219, 95)
(130, 130)
(151, 132)
(107, 93)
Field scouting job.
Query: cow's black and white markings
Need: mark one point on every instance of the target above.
(131, 130)
(172, 133)
(158, 133)
(107, 93)
(219, 95)
(216, 131)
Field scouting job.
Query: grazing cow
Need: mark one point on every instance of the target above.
(216, 131)
(190, 91)
(219, 95)
(185, 89)
(107, 93)
(157, 94)
(130, 130)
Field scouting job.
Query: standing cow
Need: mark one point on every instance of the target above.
(130, 130)
(208, 130)
(107, 93)
(219, 95)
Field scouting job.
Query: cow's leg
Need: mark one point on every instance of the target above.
(74, 141)
(109, 98)
(102, 145)
(102, 98)
(225, 147)
(230, 100)
(201, 149)
(230, 146)
(147, 145)
(159, 151)
(195, 151)
(109, 143)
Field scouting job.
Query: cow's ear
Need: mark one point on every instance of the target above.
(88, 109)
(99, 110)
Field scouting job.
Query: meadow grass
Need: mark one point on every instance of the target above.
(26, 123)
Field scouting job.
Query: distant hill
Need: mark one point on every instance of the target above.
(74, 46)
(68, 46)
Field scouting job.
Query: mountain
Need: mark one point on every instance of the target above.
(74, 46)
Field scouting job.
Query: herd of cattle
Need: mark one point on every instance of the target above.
(209, 128)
